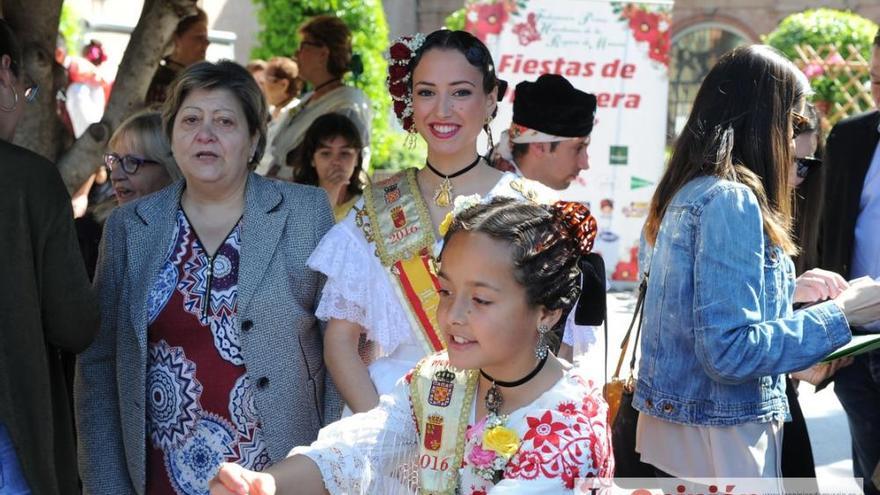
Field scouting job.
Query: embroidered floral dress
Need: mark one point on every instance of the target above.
(200, 403)
(563, 438)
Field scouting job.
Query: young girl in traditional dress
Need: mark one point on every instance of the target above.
(381, 297)
(494, 413)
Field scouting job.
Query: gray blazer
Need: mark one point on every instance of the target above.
(279, 335)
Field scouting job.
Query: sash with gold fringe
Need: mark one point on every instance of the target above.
(400, 227)
(441, 398)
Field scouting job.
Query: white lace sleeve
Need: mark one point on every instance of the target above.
(588, 347)
(358, 288)
(362, 454)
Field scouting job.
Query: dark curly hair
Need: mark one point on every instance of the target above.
(468, 45)
(545, 264)
(325, 128)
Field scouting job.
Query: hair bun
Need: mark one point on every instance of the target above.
(576, 224)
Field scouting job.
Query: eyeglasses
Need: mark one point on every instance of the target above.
(31, 90)
(804, 165)
(129, 163)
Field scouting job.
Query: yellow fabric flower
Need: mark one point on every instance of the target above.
(445, 224)
(502, 440)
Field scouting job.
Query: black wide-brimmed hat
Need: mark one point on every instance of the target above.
(553, 106)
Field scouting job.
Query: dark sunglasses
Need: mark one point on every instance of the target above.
(804, 165)
(129, 163)
(800, 123)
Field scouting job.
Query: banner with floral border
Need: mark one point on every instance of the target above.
(618, 51)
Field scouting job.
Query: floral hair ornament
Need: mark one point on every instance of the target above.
(575, 223)
(461, 204)
(400, 54)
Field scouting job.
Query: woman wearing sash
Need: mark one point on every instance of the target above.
(496, 413)
(381, 294)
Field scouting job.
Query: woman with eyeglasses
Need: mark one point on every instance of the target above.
(139, 158)
(323, 57)
(45, 302)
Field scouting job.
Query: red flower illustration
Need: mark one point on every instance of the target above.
(567, 408)
(485, 18)
(659, 49)
(590, 406)
(543, 430)
(644, 25)
(569, 475)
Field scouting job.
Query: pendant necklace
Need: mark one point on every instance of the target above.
(494, 399)
(443, 194)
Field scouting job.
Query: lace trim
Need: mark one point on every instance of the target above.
(357, 287)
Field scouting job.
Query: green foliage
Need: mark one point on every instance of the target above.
(456, 20)
(70, 27)
(280, 20)
(820, 27)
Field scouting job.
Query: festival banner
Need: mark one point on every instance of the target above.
(618, 51)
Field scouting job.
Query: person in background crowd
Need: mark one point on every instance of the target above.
(45, 301)
(209, 350)
(548, 138)
(547, 142)
(850, 236)
(378, 259)
(323, 57)
(508, 267)
(88, 92)
(283, 86)
(257, 68)
(330, 157)
(190, 44)
(719, 331)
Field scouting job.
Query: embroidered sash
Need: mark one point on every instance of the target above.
(441, 398)
(400, 227)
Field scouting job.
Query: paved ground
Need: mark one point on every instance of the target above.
(826, 421)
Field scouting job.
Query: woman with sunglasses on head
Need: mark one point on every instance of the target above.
(323, 58)
(719, 330)
(45, 300)
(380, 298)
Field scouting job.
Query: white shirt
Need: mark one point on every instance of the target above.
(866, 246)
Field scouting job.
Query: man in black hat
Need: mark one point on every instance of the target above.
(547, 141)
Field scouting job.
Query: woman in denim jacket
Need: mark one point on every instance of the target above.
(719, 331)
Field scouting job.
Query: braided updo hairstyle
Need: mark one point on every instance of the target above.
(545, 252)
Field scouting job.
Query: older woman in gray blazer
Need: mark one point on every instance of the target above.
(209, 350)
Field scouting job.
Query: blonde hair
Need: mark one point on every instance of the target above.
(144, 132)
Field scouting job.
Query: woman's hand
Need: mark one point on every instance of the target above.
(818, 285)
(820, 372)
(233, 479)
(860, 302)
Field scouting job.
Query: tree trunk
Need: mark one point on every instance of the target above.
(154, 29)
(35, 23)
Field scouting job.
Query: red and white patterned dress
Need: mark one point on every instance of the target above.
(564, 441)
(200, 403)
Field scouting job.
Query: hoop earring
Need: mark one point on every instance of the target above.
(14, 101)
(543, 346)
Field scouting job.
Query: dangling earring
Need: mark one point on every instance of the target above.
(14, 101)
(543, 346)
(410, 141)
(489, 133)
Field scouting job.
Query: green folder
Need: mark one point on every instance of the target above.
(858, 345)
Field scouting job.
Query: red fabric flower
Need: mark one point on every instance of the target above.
(399, 107)
(397, 71)
(400, 51)
(543, 430)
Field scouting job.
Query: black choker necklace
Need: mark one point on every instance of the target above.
(325, 83)
(443, 194)
(494, 399)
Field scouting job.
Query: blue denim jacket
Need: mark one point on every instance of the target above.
(718, 329)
